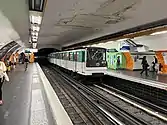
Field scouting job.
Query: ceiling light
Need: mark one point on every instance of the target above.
(35, 28)
(35, 19)
(157, 33)
(34, 37)
(34, 33)
(34, 45)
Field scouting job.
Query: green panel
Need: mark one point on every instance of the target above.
(112, 60)
(83, 56)
(80, 56)
(71, 56)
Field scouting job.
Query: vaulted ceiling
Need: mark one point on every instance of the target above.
(73, 21)
(14, 21)
(66, 22)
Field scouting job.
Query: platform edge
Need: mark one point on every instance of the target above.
(139, 80)
(59, 114)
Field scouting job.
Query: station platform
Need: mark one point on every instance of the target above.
(158, 81)
(25, 99)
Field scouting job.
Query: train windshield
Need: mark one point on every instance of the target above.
(96, 57)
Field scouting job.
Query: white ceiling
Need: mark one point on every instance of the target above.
(71, 21)
(154, 42)
(14, 21)
(7, 33)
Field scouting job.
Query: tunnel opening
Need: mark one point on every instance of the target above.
(41, 55)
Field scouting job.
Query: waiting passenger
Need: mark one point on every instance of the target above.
(155, 64)
(14, 61)
(3, 76)
(27, 60)
(118, 62)
(7, 63)
(144, 66)
(21, 58)
(160, 67)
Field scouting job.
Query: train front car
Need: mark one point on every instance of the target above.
(96, 64)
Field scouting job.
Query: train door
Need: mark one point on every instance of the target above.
(83, 64)
(78, 62)
(75, 61)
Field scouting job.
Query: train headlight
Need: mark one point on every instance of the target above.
(97, 64)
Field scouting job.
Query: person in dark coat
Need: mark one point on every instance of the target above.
(144, 66)
(154, 63)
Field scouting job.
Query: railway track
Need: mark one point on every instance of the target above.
(151, 108)
(80, 109)
(138, 110)
(111, 108)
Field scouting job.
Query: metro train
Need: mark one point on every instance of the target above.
(87, 61)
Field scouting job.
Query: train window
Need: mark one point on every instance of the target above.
(80, 56)
(73, 53)
(75, 56)
(83, 56)
(67, 55)
(59, 55)
(96, 57)
(62, 56)
(56, 55)
(71, 56)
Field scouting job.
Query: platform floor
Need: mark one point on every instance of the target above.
(159, 81)
(24, 98)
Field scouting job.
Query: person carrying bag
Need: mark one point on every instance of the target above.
(3, 77)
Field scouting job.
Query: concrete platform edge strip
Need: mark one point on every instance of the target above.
(59, 114)
(139, 80)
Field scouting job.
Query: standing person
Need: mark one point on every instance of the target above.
(144, 66)
(11, 61)
(3, 76)
(17, 57)
(118, 62)
(154, 64)
(155, 60)
(20, 57)
(26, 61)
(23, 58)
(7, 63)
(14, 61)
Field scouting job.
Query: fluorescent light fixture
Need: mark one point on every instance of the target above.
(34, 33)
(157, 33)
(36, 19)
(35, 37)
(34, 45)
(30, 41)
(37, 28)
